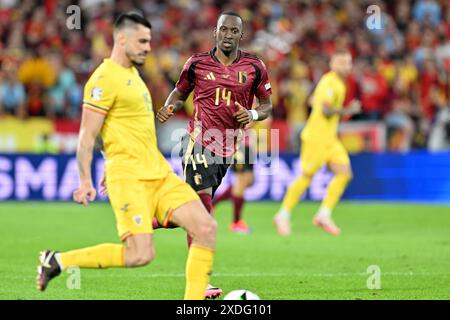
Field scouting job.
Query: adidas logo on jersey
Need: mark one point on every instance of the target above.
(210, 76)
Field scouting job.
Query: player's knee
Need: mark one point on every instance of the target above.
(140, 257)
(307, 176)
(348, 175)
(208, 229)
(248, 180)
(238, 191)
(251, 180)
(144, 258)
(147, 257)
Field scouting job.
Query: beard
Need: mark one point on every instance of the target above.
(137, 63)
(135, 60)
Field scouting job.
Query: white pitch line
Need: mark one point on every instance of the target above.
(246, 275)
(256, 274)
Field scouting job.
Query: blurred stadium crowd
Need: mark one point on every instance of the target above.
(401, 72)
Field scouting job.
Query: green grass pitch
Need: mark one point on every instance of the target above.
(409, 243)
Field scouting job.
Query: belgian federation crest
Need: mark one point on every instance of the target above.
(242, 76)
(198, 179)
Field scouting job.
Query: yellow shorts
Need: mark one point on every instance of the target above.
(314, 155)
(136, 202)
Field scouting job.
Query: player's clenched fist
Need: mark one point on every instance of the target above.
(165, 113)
(84, 194)
(243, 116)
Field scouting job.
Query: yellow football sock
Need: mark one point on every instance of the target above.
(335, 190)
(198, 269)
(101, 256)
(294, 192)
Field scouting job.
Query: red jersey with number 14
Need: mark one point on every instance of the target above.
(216, 87)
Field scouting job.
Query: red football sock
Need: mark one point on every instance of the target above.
(238, 203)
(224, 196)
(207, 202)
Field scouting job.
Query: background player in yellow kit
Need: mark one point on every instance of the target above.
(140, 182)
(320, 145)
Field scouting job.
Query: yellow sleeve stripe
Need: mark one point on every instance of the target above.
(95, 106)
(87, 106)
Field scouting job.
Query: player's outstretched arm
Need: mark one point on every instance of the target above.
(91, 124)
(174, 102)
(328, 110)
(353, 108)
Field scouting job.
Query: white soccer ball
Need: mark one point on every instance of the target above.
(241, 294)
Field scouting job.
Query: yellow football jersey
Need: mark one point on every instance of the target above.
(128, 132)
(330, 89)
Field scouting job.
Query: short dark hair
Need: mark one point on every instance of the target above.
(131, 17)
(231, 13)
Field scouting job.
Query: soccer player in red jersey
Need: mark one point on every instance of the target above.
(225, 82)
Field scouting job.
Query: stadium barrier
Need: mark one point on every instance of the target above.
(417, 176)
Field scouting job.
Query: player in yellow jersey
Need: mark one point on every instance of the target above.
(320, 145)
(140, 182)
